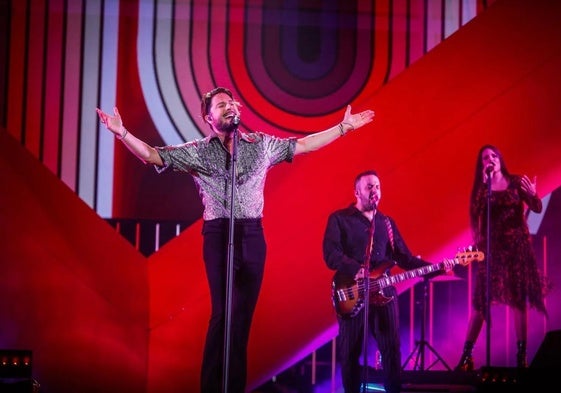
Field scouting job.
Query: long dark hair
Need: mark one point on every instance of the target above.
(478, 182)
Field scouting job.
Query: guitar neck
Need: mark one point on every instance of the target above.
(387, 281)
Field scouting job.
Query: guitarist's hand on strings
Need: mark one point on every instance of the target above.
(359, 274)
(449, 266)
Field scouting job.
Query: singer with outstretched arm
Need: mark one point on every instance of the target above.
(207, 160)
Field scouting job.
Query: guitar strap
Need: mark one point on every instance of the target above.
(390, 231)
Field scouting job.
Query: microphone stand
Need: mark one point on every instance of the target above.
(366, 296)
(422, 343)
(230, 262)
(488, 270)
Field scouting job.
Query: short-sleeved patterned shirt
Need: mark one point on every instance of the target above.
(209, 163)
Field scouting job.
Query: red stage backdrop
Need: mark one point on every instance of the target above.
(443, 80)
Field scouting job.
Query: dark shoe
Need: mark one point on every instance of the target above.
(521, 359)
(466, 363)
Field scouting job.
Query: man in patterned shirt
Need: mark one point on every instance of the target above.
(209, 160)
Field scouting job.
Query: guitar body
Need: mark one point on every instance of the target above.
(348, 293)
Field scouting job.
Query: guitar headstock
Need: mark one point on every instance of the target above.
(465, 257)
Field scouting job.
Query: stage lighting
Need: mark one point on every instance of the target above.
(15, 363)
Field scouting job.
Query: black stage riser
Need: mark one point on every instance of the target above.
(486, 379)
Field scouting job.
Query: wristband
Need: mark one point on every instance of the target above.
(121, 137)
(341, 131)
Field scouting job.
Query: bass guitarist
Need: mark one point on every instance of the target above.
(346, 243)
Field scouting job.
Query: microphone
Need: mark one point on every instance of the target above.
(489, 169)
(236, 120)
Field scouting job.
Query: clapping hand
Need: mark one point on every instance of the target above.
(528, 186)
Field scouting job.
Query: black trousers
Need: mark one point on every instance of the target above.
(383, 324)
(249, 262)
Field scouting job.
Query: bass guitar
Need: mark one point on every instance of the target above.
(348, 294)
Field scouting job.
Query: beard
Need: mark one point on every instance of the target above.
(225, 125)
(368, 204)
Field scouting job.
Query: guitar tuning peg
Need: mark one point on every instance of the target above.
(470, 248)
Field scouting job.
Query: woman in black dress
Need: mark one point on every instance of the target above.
(515, 278)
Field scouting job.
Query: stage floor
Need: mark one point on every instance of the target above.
(484, 380)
